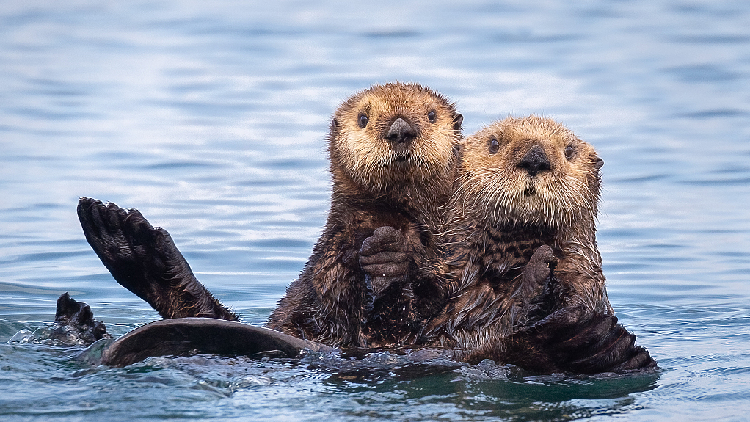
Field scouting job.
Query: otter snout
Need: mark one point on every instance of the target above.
(535, 161)
(401, 134)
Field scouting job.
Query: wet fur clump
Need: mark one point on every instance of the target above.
(393, 156)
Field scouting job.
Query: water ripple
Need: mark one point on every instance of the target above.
(212, 119)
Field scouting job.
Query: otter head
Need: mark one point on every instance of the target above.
(529, 171)
(394, 136)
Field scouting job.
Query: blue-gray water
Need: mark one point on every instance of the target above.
(210, 117)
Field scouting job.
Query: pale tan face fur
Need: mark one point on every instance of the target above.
(359, 146)
(497, 183)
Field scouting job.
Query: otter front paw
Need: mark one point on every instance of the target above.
(534, 299)
(383, 256)
(540, 266)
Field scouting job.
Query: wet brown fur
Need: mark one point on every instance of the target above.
(376, 183)
(499, 278)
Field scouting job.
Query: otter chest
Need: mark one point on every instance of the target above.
(503, 251)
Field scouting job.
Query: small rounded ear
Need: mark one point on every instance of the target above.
(457, 121)
(598, 163)
(334, 129)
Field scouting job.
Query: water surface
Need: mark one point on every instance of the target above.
(211, 119)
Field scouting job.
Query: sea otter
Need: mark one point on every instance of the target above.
(523, 272)
(393, 156)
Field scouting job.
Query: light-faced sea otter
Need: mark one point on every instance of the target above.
(520, 276)
(522, 271)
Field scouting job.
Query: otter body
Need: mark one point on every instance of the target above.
(522, 273)
(393, 155)
(523, 183)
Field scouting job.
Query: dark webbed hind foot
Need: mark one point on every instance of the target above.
(146, 261)
(577, 340)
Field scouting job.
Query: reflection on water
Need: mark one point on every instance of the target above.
(211, 119)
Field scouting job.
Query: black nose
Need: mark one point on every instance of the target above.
(535, 161)
(401, 133)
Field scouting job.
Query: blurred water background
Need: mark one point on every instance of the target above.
(211, 117)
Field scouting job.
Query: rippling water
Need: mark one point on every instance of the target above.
(210, 117)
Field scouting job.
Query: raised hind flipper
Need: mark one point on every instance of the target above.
(145, 260)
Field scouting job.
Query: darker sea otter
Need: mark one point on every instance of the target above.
(522, 273)
(393, 154)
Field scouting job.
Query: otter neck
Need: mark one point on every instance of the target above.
(561, 239)
(424, 201)
(478, 235)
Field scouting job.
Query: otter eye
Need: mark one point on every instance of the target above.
(362, 120)
(569, 151)
(494, 145)
(431, 116)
